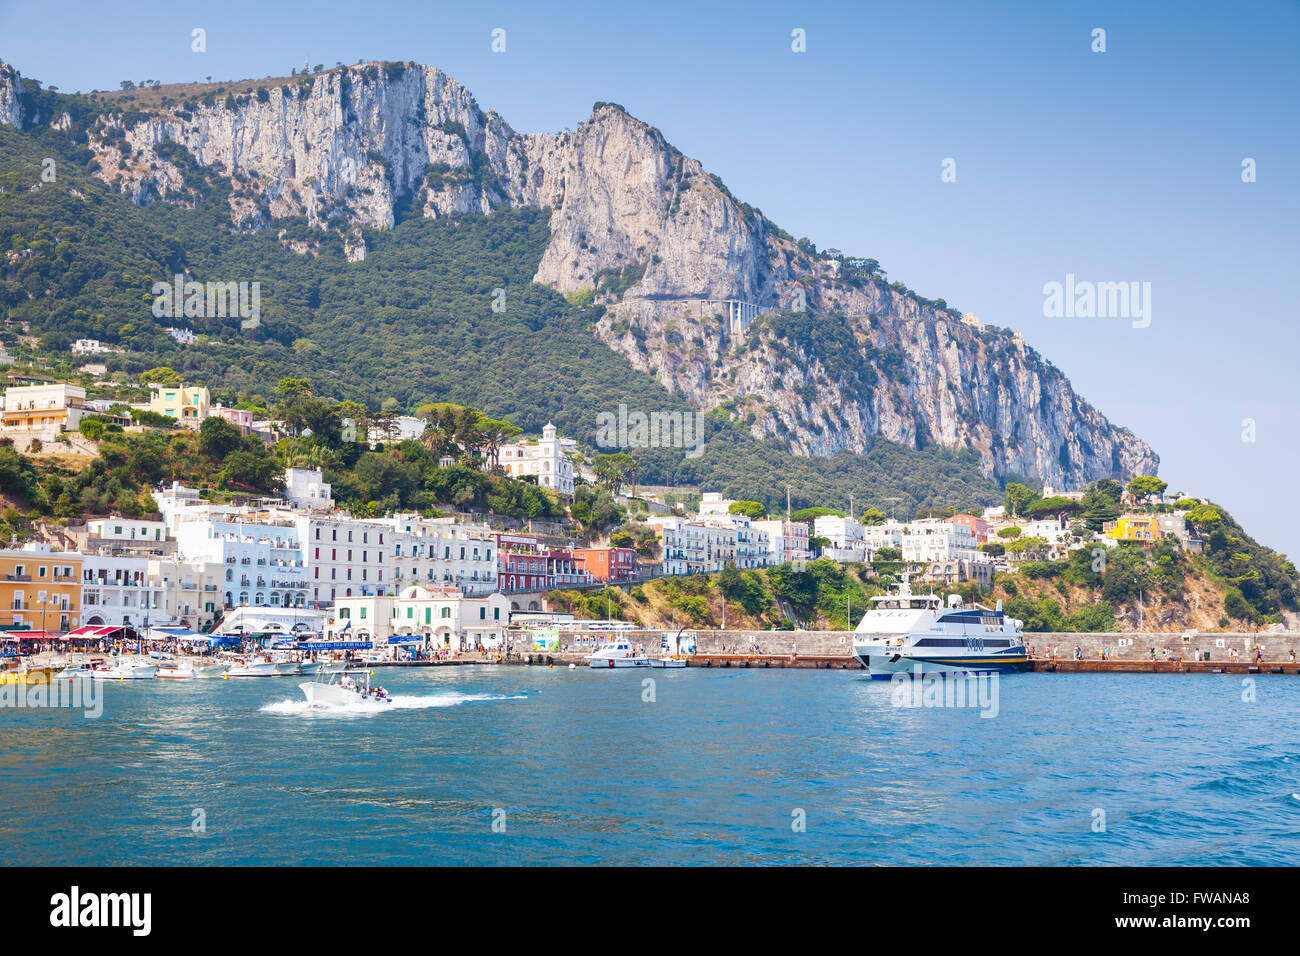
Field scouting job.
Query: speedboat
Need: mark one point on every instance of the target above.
(906, 633)
(125, 668)
(618, 652)
(667, 662)
(342, 691)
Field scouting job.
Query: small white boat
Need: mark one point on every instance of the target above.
(287, 668)
(209, 670)
(253, 667)
(618, 652)
(125, 668)
(74, 668)
(667, 662)
(339, 691)
(175, 670)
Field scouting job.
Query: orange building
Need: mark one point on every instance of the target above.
(607, 564)
(40, 590)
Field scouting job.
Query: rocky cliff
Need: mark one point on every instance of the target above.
(11, 92)
(819, 353)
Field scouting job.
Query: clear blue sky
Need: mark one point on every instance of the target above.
(1123, 165)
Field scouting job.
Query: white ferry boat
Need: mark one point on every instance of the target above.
(618, 652)
(910, 633)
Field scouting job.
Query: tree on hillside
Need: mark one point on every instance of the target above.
(218, 437)
(612, 470)
(493, 435)
(1018, 497)
(1146, 487)
(1101, 503)
(160, 376)
(872, 516)
(752, 509)
(1060, 507)
(357, 414)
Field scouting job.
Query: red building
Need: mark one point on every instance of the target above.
(526, 564)
(607, 564)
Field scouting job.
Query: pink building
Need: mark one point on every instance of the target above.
(242, 418)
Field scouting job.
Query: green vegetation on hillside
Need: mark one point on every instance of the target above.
(440, 311)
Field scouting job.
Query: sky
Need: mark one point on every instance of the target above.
(1117, 166)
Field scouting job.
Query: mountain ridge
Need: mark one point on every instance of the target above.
(641, 229)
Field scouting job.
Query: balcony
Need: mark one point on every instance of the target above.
(18, 577)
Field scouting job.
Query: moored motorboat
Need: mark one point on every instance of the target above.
(124, 668)
(667, 662)
(209, 670)
(253, 667)
(618, 652)
(27, 673)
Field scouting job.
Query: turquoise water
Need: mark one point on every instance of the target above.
(581, 770)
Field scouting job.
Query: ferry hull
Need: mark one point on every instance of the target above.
(608, 662)
(882, 666)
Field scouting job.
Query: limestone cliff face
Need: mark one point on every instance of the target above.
(840, 358)
(11, 90)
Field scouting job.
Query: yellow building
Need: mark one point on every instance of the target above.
(188, 404)
(40, 589)
(1143, 528)
(54, 407)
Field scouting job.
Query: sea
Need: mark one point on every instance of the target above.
(515, 765)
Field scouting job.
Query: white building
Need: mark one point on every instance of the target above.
(404, 428)
(847, 541)
(753, 548)
(947, 552)
(544, 459)
(789, 539)
(89, 347)
(682, 544)
(436, 618)
(343, 557)
(263, 561)
(191, 589)
(120, 533)
(887, 534)
(117, 590)
(306, 488)
(935, 540)
(441, 553)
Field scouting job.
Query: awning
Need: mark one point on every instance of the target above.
(35, 636)
(99, 632)
(166, 631)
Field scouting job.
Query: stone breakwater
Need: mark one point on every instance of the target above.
(1210, 650)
